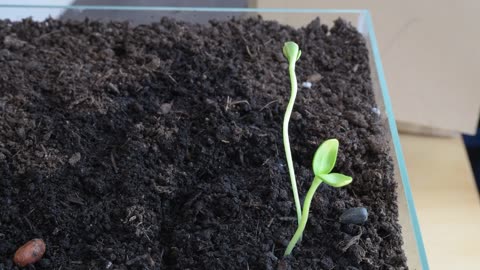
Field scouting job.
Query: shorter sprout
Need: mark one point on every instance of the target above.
(323, 162)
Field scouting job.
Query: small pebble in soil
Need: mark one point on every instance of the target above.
(296, 116)
(327, 262)
(376, 111)
(30, 253)
(5, 54)
(283, 265)
(166, 108)
(307, 85)
(355, 68)
(357, 215)
(314, 77)
(75, 158)
(13, 42)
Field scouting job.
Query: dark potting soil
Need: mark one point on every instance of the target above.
(159, 146)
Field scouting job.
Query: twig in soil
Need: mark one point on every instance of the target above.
(268, 104)
(171, 78)
(162, 189)
(287, 218)
(136, 259)
(78, 101)
(79, 139)
(231, 103)
(76, 199)
(5, 151)
(270, 222)
(227, 106)
(194, 198)
(143, 231)
(239, 102)
(33, 229)
(60, 75)
(31, 211)
(248, 52)
(102, 78)
(114, 164)
(44, 150)
(114, 88)
(351, 242)
(266, 161)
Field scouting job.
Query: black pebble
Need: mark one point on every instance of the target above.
(357, 215)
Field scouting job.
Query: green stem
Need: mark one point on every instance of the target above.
(306, 208)
(286, 140)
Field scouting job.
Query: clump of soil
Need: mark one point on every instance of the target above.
(159, 146)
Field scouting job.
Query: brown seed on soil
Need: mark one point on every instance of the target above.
(31, 252)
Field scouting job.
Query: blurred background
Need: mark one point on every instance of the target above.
(430, 53)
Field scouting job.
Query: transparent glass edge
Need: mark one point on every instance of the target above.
(205, 9)
(396, 141)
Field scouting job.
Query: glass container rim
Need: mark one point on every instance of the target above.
(192, 8)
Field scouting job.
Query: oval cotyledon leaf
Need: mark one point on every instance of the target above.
(325, 157)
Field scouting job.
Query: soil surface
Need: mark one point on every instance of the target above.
(159, 146)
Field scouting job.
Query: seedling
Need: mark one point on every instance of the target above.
(292, 53)
(323, 163)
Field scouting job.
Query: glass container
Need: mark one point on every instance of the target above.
(361, 19)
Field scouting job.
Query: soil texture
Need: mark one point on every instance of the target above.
(159, 146)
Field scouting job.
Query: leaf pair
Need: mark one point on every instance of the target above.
(323, 162)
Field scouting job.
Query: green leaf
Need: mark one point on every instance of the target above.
(336, 179)
(325, 157)
(291, 51)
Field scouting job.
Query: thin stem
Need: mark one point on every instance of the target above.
(286, 139)
(306, 209)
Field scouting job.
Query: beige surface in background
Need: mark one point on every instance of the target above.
(431, 55)
(446, 200)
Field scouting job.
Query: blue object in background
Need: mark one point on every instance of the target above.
(472, 143)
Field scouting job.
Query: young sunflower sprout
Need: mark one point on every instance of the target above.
(292, 53)
(323, 161)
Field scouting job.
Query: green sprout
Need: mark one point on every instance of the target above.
(292, 53)
(323, 163)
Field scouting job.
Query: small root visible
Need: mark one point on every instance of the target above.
(268, 104)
